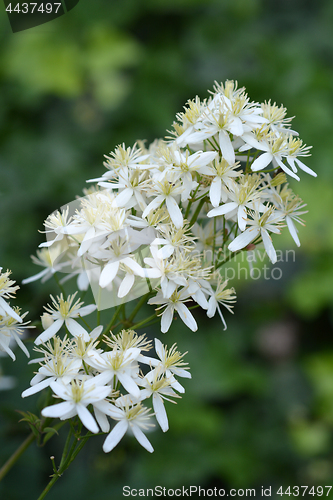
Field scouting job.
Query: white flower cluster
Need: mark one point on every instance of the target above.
(147, 219)
(11, 319)
(108, 380)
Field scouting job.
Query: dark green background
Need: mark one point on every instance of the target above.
(259, 408)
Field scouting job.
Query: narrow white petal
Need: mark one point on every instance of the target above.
(215, 191)
(86, 418)
(186, 316)
(115, 436)
(126, 285)
(270, 250)
(123, 197)
(166, 319)
(223, 209)
(152, 206)
(49, 332)
(261, 162)
(141, 438)
(242, 217)
(37, 387)
(58, 410)
(85, 310)
(305, 168)
(102, 419)
(226, 147)
(244, 239)
(159, 348)
(76, 329)
(174, 211)
(108, 274)
(161, 415)
(35, 277)
(6, 307)
(128, 383)
(293, 230)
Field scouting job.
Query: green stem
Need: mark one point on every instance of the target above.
(197, 211)
(115, 316)
(142, 301)
(143, 322)
(60, 286)
(16, 455)
(65, 463)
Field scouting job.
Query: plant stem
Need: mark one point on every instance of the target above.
(16, 455)
(65, 463)
(197, 211)
(60, 286)
(142, 301)
(138, 325)
(115, 316)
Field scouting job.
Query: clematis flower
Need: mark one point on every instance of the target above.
(63, 312)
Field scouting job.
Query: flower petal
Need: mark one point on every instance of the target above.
(115, 436)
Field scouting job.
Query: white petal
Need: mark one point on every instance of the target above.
(174, 211)
(6, 307)
(115, 436)
(58, 410)
(101, 419)
(85, 310)
(126, 285)
(108, 274)
(242, 217)
(186, 316)
(152, 206)
(141, 438)
(160, 412)
(166, 319)
(226, 147)
(123, 197)
(86, 418)
(305, 168)
(159, 348)
(128, 383)
(76, 329)
(37, 387)
(293, 230)
(223, 209)
(49, 332)
(244, 239)
(261, 162)
(215, 191)
(270, 250)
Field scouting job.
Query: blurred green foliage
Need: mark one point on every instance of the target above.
(258, 410)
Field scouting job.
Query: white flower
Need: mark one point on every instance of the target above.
(46, 257)
(157, 385)
(7, 291)
(174, 303)
(222, 296)
(260, 225)
(60, 367)
(77, 395)
(119, 364)
(64, 311)
(132, 416)
(165, 191)
(242, 196)
(10, 328)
